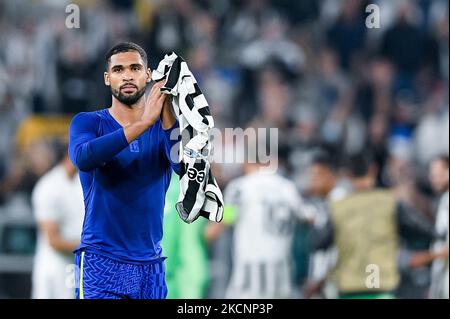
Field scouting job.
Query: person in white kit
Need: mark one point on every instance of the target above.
(58, 207)
(266, 206)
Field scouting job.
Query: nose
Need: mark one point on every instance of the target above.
(127, 75)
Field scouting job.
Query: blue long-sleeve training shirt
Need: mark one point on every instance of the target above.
(124, 185)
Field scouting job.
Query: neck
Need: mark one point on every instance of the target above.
(363, 183)
(251, 168)
(127, 114)
(332, 186)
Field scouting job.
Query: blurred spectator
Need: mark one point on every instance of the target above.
(58, 208)
(348, 34)
(415, 228)
(74, 71)
(369, 239)
(323, 185)
(25, 168)
(439, 17)
(31, 153)
(218, 82)
(11, 116)
(375, 101)
(375, 93)
(432, 126)
(408, 48)
(273, 103)
(169, 30)
(243, 23)
(273, 45)
(310, 68)
(439, 179)
(263, 233)
(298, 12)
(378, 234)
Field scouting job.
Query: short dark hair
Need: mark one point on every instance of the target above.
(324, 158)
(359, 164)
(125, 47)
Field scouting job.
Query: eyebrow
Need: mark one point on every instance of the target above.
(131, 65)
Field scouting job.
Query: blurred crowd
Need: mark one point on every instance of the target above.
(310, 68)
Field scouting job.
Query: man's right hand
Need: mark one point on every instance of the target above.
(153, 104)
(152, 111)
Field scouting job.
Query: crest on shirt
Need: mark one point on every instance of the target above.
(134, 147)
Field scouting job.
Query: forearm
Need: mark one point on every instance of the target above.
(64, 246)
(423, 258)
(133, 131)
(95, 152)
(105, 150)
(50, 229)
(213, 231)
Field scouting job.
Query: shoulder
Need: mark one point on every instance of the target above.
(385, 194)
(379, 195)
(235, 184)
(48, 183)
(338, 193)
(289, 190)
(88, 118)
(286, 182)
(283, 183)
(444, 201)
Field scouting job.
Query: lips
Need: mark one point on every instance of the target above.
(128, 88)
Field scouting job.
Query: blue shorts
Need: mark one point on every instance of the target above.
(100, 277)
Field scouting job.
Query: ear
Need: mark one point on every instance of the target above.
(149, 75)
(106, 78)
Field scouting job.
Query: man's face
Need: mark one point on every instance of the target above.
(321, 180)
(127, 76)
(439, 176)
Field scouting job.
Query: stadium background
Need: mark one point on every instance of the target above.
(311, 68)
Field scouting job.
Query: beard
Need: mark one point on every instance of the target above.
(128, 99)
